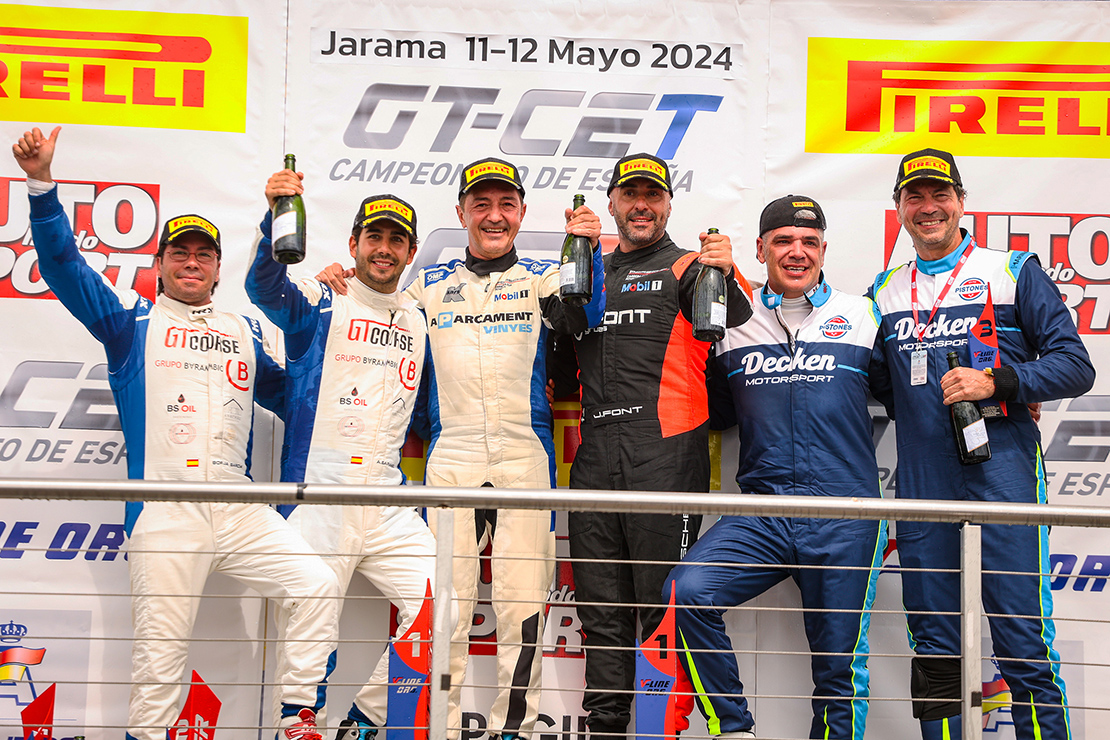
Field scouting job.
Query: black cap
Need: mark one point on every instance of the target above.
(928, 164)
(490, 169)
(386, 206)
(792, 210)
(640, 165)
(190, 222)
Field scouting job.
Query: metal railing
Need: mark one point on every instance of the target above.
(972, 515)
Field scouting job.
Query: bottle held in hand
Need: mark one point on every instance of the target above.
(288, 227)
(576, 266)
(709, 303)
(972, 444)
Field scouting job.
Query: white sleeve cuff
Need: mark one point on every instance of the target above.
(38, 187)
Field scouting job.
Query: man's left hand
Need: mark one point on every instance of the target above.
(335, 277)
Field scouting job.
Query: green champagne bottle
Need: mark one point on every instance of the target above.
(710, 308)
(576, 266)
(288, 227)
(972, 444)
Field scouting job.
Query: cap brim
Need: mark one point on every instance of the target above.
(497, 177)
(642, 175)
(908, 180)
(387, 216)
(192, 230)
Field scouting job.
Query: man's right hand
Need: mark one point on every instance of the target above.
(335, 277)
(283, 182)
(34, 152)
(584, 222)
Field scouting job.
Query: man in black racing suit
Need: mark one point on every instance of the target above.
(645, 426)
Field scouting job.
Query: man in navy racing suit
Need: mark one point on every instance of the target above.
(189, 420)
(353, 363)
(1017, 345)
(798, 375)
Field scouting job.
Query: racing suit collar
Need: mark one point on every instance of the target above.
(185, 311)
(948, 261)
(366, 295)
(485, 267)
(817, 296)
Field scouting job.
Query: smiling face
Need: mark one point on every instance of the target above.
(492, 212)
(641, 209)
(189, 269)
(381, 251)
(794, 256)
(930, 212)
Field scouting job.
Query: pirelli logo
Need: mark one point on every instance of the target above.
(487, 167)
(925, 163)
(123, 68)
(981, 98)
(643, 164)
(388, 205)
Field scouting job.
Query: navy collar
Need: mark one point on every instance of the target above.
(947, 263)
(817, 296)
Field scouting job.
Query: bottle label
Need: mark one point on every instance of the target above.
(567, 274)
(717, 313)
(975, 435)
(284, 225)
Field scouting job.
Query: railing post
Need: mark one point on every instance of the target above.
(442, 624)
(971, 630)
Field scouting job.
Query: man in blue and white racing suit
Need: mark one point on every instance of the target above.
(353, 364)
(1017, 344)
(798, 374)
(185, 378)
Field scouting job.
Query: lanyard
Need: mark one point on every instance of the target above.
(918, 327)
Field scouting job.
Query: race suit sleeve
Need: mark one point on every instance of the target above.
(108, 314)
(722, 409)
(562, 365)
(738, 299)
(269, 388)
(879, 381)
(421, 422)
(292, 307)
(563, 318)
(1062, 368)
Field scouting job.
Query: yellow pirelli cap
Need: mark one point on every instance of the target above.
(641, 165)
(389, 207)
(927, 164)
(490, 169)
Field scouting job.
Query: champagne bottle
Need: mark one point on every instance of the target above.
(576, 266)
(288, 224)
(709, 303)
(968, 424)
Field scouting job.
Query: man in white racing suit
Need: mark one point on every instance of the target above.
(353, 367)
(185, 378)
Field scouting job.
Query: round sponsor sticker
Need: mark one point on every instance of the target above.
(836, 327)
(182, 434)
(350, 426)
(971, 289)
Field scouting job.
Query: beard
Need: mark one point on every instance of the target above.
(643, 235)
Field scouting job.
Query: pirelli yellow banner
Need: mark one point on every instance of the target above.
(123, 68)
(980, 98)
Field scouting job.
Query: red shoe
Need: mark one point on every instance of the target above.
(305, 729)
